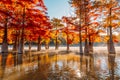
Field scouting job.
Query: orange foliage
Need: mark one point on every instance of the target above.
(24, 14)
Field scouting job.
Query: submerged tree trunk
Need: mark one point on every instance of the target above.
(5, 42)
(39, 44)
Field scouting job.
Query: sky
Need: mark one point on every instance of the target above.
(57, 8)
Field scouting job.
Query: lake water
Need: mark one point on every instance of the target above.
(59, 67)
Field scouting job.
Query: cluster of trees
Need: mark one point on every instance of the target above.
(22, 21)
(93, 18)
(27, 21)
(96, 16)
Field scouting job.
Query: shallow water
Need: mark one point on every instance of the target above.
(59, 67)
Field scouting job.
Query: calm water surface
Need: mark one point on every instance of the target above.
(59, 67)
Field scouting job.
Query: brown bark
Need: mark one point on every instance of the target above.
(80, 38)
(67, 41)
(110, 43)
(21, 44)
(15, 45)
(86, 48)
(68, 47)
(86, 10)
(90, 45)
(46, 46)
(29, 45)
(39, 44)
(56, 43)
(5, 42)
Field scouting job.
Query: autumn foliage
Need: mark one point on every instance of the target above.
(23, 21)
(26, 21)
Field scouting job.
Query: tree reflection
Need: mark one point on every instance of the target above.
(88, 67)
(112, 67)
(3, 65)
(63, 70)
(56, 67)
(92, 72)
(8, 64)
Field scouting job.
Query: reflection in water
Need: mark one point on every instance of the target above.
(112, 66)
(111, 61)
(59, 67)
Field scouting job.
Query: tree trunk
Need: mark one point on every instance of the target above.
(111, 48)
(21, 49)
(46, 46)
(5, 42)
(30, 46)
(110, 43)
(86, 48)
(68, 47)
(80, 38)
(67, 42)
(56, 40)
(80, 35)
(86, 10)
(56, 43)
(15, 45)
(39, 44)
(90, 45)
(21, 44)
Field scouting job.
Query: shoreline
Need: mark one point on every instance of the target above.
(76, 49)
(97, 49)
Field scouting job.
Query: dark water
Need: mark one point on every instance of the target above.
(59, 67)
